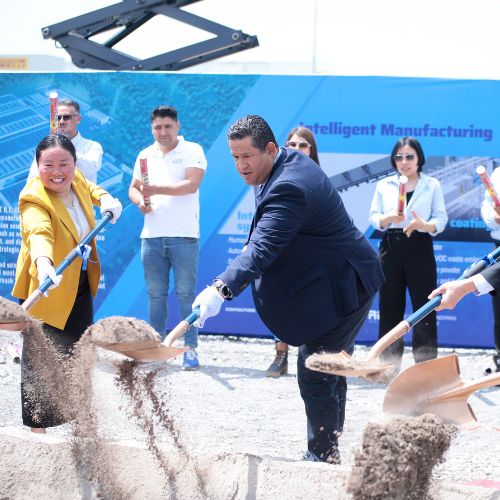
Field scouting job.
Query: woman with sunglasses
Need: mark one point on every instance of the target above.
(302, 139)
(406, 249)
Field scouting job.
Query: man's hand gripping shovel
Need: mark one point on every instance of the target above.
(372, 367)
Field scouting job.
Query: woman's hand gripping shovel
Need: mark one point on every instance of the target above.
(21, 323)
(372, 368)
(435, 386)
(146, 350)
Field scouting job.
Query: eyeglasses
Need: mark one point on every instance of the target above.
(398, 158)
(300, 145)
(65, 118)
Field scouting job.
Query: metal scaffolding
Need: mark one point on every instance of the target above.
(74, 36)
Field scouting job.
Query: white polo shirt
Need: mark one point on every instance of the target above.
(172, 216)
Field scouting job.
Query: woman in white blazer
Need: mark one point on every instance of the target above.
(406, 249)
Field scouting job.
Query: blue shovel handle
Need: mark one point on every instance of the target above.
(472, 270)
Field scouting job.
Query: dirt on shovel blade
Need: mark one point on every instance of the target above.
(11, 312)
(338, 361)
(116, 329)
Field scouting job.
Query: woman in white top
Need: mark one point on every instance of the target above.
(406, 249)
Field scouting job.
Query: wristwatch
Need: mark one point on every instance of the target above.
(223, 289)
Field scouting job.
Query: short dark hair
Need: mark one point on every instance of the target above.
(55, 141)
(69, 102)
(164, 112)
(255, 127)
(309, 137)
(413, 143)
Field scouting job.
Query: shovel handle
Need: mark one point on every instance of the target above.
(405, 326)
(468, 388)
(36, 295)
(389, 338)
(181, 328)
(472, 270)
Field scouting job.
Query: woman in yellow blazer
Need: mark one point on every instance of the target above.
(56, 211)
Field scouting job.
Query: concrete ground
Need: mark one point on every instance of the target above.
(247, 431)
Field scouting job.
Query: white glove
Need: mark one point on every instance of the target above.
(110, 204)
(209, 301)
(46, 270)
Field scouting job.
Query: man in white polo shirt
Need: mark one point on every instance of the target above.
(171, 221)
(88, 153)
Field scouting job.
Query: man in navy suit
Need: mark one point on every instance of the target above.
(313, 274)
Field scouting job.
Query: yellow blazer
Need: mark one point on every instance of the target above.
(48, 230)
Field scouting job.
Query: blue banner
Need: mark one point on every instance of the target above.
(356, 121)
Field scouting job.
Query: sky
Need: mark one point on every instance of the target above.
(430, 38)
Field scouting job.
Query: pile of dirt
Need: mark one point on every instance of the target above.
(116, 329)
(397, 458)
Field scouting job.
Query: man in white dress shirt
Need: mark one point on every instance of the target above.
(88, 153)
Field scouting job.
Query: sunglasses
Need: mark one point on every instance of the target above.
(398, 158)
(300, 145)
(65, 118)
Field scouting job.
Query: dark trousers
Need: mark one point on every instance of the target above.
(324, 395)
(495, 299)
(39, 409)
(408, 263)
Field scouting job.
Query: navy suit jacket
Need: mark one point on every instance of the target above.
(492, 276)
(305, 258)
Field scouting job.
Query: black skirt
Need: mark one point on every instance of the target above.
(39, 409)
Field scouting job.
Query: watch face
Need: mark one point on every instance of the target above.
(224, 290)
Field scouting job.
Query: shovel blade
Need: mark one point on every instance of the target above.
(342, 363)
(161, 353)
(17, 326)
(137, 345)
(144, 350)
(415, 391)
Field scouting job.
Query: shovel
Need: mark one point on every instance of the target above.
(154, 350)
(372, 368)
(435, 386)
(36, 295)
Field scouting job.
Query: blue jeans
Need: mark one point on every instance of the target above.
(158, 256)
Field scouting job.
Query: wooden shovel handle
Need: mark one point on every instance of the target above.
(181, 328)
(468, 388)
(389, 338)
(35, 296)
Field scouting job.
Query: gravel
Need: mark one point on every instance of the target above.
(230, 406)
